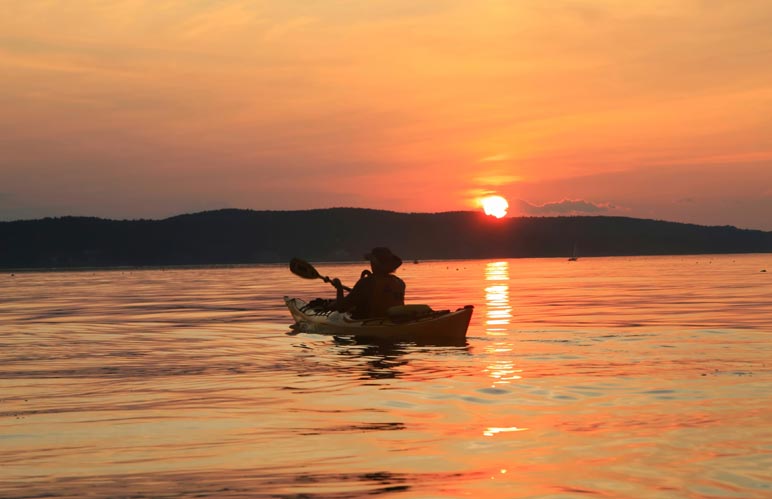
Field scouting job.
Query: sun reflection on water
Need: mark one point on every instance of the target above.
(498, 316)
(489, 432)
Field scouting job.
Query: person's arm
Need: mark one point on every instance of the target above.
(401, 290)
(339, 287)
(353, 299)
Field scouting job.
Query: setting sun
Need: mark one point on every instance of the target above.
(495, 206)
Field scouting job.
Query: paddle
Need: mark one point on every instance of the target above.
(302, 268)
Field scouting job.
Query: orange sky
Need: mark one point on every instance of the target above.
(150, 108)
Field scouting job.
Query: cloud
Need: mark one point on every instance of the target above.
(497, 179)
(287, 28)
(495, 158)
(565, 207)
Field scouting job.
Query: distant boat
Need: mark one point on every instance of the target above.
(575, 256)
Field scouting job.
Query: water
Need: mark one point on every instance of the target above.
(606, 377)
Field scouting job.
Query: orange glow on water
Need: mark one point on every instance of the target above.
(575, 377)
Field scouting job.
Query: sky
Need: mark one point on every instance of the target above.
(152, 108)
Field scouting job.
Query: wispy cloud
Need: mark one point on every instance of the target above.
(287, 28)
(496, 179)
(495, 158)
(565, 207)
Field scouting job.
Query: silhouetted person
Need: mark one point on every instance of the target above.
(375, 291)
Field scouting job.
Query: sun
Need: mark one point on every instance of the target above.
(495, 206)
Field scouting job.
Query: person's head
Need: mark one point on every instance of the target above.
(383, 261)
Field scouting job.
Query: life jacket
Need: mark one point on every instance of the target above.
(386, 291)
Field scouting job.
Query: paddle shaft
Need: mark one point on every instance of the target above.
(327, 279)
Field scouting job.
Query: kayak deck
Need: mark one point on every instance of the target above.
(417, 323)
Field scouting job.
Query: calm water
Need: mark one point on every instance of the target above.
(606, 377)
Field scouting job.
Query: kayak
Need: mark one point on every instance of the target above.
(409, 322)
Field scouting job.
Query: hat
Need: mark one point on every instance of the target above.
(384, 258)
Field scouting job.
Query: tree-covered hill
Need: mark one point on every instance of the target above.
(246, 236)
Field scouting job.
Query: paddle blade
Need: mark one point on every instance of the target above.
(302, 268)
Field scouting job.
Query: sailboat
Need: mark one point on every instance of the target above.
(575, 256)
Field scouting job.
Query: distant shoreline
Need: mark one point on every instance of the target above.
(244, 237)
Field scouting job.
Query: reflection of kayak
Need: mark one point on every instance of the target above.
(409, 322)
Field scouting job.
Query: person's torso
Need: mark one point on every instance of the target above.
(384, 292)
